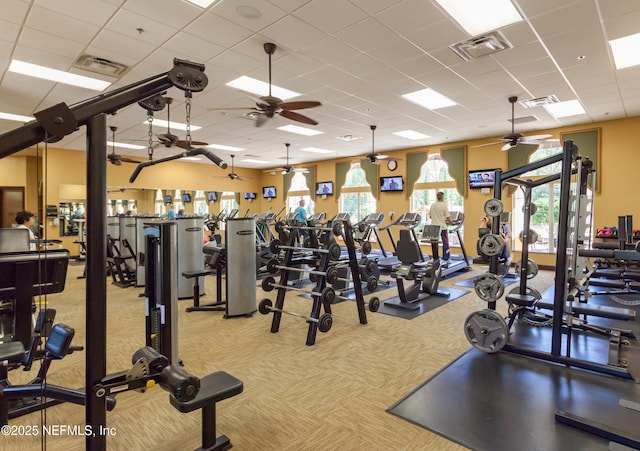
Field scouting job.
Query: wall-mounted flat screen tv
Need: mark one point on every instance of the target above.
(394, 183)
(186, 198)
(269, 192)
(212, 196)
(483, 178)
(167, 199)
(249, 195)
(324, 188)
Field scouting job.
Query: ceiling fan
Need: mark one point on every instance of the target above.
(233, 175)
(287, 168)
(169, 139)
(113, 157)
(513, 139)
(268, 106)
(374, 157)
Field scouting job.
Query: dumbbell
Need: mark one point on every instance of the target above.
(327, 295)
(324, 322)
(333, 277)
(275, 246)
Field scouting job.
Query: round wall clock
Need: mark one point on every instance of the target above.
(392, 165)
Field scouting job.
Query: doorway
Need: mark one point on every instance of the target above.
(11, 202)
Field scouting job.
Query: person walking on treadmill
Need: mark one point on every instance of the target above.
(440, 215)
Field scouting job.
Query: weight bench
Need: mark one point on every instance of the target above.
(195, 275)
(213, 388)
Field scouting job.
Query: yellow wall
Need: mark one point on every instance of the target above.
(618, 162)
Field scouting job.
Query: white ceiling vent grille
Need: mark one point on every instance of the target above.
(481, 46)
(100, 65)
(539, 101)
(524, 119)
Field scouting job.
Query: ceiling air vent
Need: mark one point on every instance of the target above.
(481, 46)
(523, 119)
(100, 65)
(539, 101)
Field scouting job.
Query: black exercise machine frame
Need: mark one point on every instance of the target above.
(53, 124)
(567, 157)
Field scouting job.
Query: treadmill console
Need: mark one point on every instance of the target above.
(431, 232)
(341, 217)
(409, 219)
(373, 219)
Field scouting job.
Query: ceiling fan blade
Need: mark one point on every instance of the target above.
(274, 170)
(183, 144)
(299, 105)
(231, 109)
(488, 144)
(537, 137)
(507, 146)
(297, 117)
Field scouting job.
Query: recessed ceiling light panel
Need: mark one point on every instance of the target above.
(261, 88)
(625, 51)
(299, 130)
(429, 98)
(565, 109)
(477, 17)
(411, 134)
(46, 73)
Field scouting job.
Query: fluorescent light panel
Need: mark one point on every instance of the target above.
(316, 150)
(15, 117)
(565, 109)
(173, 125)
(430, 99)
(46, 73)
(249, 160)
(125, 146)
(410, 134)
(202, 3)
(625, 51)
(299, 130)
(477, 17)
(261, 88)
(228, 148)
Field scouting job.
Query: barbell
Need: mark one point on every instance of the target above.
(334, 250)
(327, 295)
(324, 322)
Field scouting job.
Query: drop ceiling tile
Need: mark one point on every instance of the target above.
(367, 34)
(197, 49)
(330, 16)
(9, 31)
(331, 51)
(623, 25)
(127, 24)
(93, 12)
(14, 11)
(410, 15)
(49, 43)
(60, 25)
(42, 57)
(269, 14)
(218, 30)
(374, 6)
(173, 14)
(122, 45)
(293, 33)
(396, 52)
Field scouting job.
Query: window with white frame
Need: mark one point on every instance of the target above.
(546, 199)
(200, 204)
(227, 204)
(160, 208)
(356, 198)
(299, 191)
(435, 177)
(177, 201)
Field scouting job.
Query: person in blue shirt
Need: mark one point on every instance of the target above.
(301, 219)
(171, 214)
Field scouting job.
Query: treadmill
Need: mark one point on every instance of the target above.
(409, 221)
(371, 223)
(457, 262)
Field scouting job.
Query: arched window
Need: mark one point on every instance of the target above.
(299, 191)
(227, 205)
(200, 204)
(160, 208)
(435, 177)
(177, 201)
(355, 195)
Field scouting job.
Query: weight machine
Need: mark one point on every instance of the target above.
(488, 331)
(51, 125)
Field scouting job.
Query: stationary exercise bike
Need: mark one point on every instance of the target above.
(424, 277)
